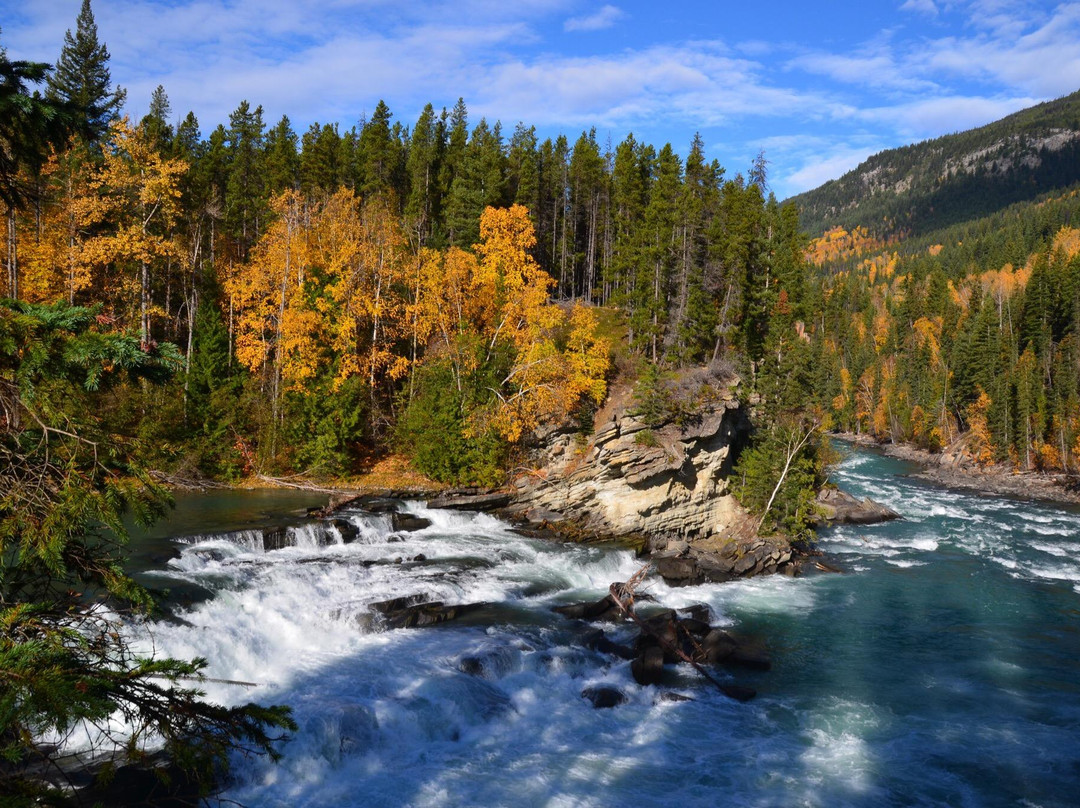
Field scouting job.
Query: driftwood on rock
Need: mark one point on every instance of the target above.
(665, 632)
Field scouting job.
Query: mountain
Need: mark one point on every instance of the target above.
(930, 185)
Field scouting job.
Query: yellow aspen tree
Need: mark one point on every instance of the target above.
(264, 288)
(364, 252)
(142, 192)
(511, 302)
(980, 442)
(53, 263)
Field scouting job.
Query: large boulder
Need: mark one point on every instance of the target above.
(838, 508)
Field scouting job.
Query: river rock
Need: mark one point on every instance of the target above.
(603, 609)
(738, 692)
(698, 611)
(598, 641)
(406, 522)
(157, 781)
(427, 614)
(604, 696)
(718, 645)
(543, 516)
(838, 507)
(348, 530)
(276, 538)
(472, 502)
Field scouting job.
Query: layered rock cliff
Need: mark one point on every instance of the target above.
(667, 484)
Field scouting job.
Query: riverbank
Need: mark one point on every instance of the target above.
(957, 471)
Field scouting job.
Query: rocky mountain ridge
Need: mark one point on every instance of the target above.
(926, 186)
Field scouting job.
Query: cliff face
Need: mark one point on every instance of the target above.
(668, 484)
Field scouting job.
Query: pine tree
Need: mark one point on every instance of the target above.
(426, 150)
(282, 163)
(67, 485)
(155, 124)
(82, 77)
(245, 201)
(30, 126)
(523, 170)
(379, 153)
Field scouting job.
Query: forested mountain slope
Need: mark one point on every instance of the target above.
(937, 183)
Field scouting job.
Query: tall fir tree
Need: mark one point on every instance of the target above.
(82, 77)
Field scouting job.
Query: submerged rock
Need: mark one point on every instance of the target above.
(604, 697)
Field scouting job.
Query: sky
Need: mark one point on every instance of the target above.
(819, 87)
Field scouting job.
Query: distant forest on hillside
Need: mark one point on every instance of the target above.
(914, 190)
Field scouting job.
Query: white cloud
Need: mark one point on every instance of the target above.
(603, 18)
(697, 83)
(1044, 61)
(931, 117)
(332, 60)
(802, 162)
(928, 7)
(870, 68)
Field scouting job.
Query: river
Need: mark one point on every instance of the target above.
(943, 666)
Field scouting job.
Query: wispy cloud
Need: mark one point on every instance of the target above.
(605, 17)
(928, 7)
(925, 118)
(697, 83)
(801, 162)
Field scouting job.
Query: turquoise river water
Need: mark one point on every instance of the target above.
(942, 667)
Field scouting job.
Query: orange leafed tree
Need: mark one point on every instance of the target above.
(138, 194)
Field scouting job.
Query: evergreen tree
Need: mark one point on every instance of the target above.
(67, 484)
(588, 191)
(379, 153)
(30, 126)
(426, 150)
(155, 124)
(245, 199)
(82, 77)
(282, 163)
(523, 170)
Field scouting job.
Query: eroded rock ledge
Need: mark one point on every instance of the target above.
(666, 486)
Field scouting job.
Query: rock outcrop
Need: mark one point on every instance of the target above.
(666, 485)
(631, 479)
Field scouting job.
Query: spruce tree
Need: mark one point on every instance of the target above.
(426, 150)
(281, 161)
(245, 200)
(155, 124)
(379, 153)
(82, 77)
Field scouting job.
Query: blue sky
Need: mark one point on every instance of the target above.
(819, 86)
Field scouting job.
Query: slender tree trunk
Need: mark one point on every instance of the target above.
(144, 303)
(12, 256)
